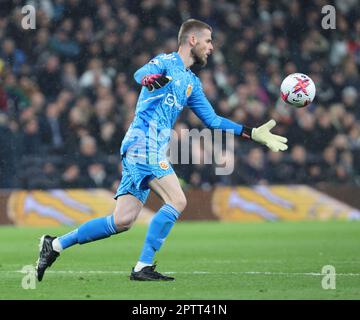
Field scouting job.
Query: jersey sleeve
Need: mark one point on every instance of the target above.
(201, 106)
(154, 66)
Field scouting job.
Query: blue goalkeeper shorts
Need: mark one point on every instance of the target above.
(136, 176)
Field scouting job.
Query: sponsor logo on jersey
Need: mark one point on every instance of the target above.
(170, 100)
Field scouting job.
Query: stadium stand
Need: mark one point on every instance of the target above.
(67, 93)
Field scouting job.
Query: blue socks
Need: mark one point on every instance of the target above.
(104, 227)
(159, 228)
(68, 239)
(92, 230)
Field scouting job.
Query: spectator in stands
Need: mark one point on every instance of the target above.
(110, 137)
(72, 178)
(329, 163)
(298, 164)
(324, 131)
(12, 56)
(52, 130)
(43, 175)
(98, 176)
(88, 153)
(278, 170)
(94, 76)
(252, 170)
(69, 78)
(49, 77)
(31, 138)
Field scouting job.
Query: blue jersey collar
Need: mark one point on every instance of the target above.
(179, 61)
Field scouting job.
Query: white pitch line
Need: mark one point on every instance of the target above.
(269, 273)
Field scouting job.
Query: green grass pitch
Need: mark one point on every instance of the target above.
(210, 260)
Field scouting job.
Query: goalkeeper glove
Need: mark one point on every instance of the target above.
(263, 135)
(155, 81)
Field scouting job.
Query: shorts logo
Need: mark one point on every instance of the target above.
(164, 165)
(189, 90)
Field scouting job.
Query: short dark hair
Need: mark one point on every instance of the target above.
(188, 26)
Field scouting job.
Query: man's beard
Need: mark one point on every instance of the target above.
(198, 60)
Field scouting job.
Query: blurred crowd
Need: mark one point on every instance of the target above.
(67, 93)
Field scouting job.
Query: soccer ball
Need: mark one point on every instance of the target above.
(298, 90)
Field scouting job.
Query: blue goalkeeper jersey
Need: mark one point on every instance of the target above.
(156, 112)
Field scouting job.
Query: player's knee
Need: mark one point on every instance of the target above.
(123, 225)
(123, 222)
(179, 202)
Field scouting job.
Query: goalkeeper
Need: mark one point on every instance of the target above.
(168, 86)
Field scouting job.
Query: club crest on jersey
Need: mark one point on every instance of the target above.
(189, 90)
(164, 165)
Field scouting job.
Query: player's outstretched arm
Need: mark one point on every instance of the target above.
(200, 105)
(261, 134)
